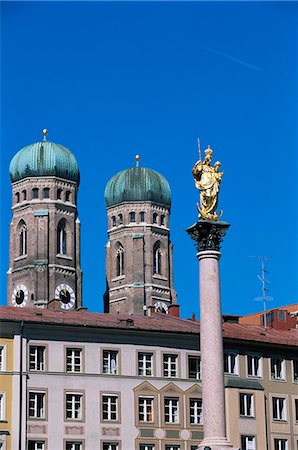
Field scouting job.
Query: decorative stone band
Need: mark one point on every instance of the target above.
(208, 234)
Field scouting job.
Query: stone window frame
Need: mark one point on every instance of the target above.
(245, 415)
(110, 349)
(80, 392)
(284, 397)
(110, 442)
(38, 390)
(45, 347)
(46, 193)
(194, 392)
(178, 368)
(197, 356)
(22, 232)
(119, 260)
(281, 437)
(43, 440)
(248, 436)
(118, 406)
(3, 353)
(132, 217)
(172, 445)
(82, 358)
(172, 391)
(63, 226)
(283, 377)
(142, 216)
(146, 389)
(81, 441)
(235, 353)
(35, 193)
(153, 362)
(260, 368)
(157, 258)
(147, 441)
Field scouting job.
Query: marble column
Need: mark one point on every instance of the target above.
(208, 236)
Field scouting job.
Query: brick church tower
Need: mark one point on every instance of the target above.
(44, 230)
(139, 253)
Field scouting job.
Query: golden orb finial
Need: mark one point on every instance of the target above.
(137, 158)
(45, 133)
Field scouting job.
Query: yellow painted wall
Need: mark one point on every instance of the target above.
(6, 386)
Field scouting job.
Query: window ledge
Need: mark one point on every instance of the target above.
(159, 277)
(278, 379)
(60, 255)
(3, 421)
(120, 277)
(19, 258)
(280, 420)
(247, 417)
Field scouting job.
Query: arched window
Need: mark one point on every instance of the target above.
(113, 221)
(22, 238)
(120, 217)
(24, 193)
(120, 261)
(67, 196)
(46, 193)
(59, 194)
(162, 220)
(142, 216)
(132, 216)
(156, 258)
(61, 237)
(154, 218)
(17, 197)
(35, 193)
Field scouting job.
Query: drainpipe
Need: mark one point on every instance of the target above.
(266, 423)
(21, 385)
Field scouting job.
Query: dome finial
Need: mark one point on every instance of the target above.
(137, 158)
(44, 133)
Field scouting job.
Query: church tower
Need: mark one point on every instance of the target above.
(45, 229)
(139, 253)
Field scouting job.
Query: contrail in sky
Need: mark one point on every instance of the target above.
(217, 52)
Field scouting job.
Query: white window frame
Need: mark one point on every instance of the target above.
(195, 411)
(278, 443)
(110, 407)
(110, 360)
(281, 408)
(257, 372)
(198, 370)
(146, 409)
(35, 362)
(74, 358)
(147, 447)
(75, 445)
(39, 409)
(110, 446)
(277, 373)
(37, 443)
(2, 358)
(172, 447)
(295, 361)
(248, 406)
(145, 364)
(232, 362)
(71, 405)
(171, 410)
(2, 406)
(170, 365)
(249, 442)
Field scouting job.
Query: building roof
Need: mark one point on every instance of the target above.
(137, 184)
(156, 322)
(44, 159)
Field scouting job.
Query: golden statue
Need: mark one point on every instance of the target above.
(207, 180)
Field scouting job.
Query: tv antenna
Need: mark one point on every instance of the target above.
(264, 297)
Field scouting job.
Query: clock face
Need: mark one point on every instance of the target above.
(66, 296)
(161, 307)
(20, 296)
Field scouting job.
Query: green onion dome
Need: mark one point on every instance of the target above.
(138, 184)
(44, 159)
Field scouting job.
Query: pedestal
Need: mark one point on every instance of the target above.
(208, 236)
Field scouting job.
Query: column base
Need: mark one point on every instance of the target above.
(214, 443)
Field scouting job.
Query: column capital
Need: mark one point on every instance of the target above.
(208, 234)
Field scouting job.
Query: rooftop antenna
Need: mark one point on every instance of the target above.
(199, 149)
(264, 298)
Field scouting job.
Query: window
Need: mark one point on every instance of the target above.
(280, 444)
(246, 405)
(73, 360)
(120, 261)
(36, 445)
(154, 218)
(170, 365)
(2, 358)
(296, 410)
(145, 364)
(295, 370)
(22, 238)
(35, 193)
(2, 406)
(74, 406)
(67, 196)
(17, 197)
(147, 447)
(277, 368)
(109, 407)
(248, 443)
(194, 367)
(24, 194)
(171, 410)
(110, 446)
(145, 409)
(61, 237)
(113, 219)
(110, 362)
(120, 218)
(73, 445)
(36, 357)
(37, 405)
(132, 216)
(231, 363)
(162, 220)
(279, 408)
(157, 258)
(46, 193)
(59, 194)
(194, 447)
(254, 366)
(195, 411)
(172, 447)
(142, 216)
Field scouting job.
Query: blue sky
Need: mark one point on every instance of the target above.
(109, 80)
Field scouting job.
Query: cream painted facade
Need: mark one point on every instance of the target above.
(6, 383)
